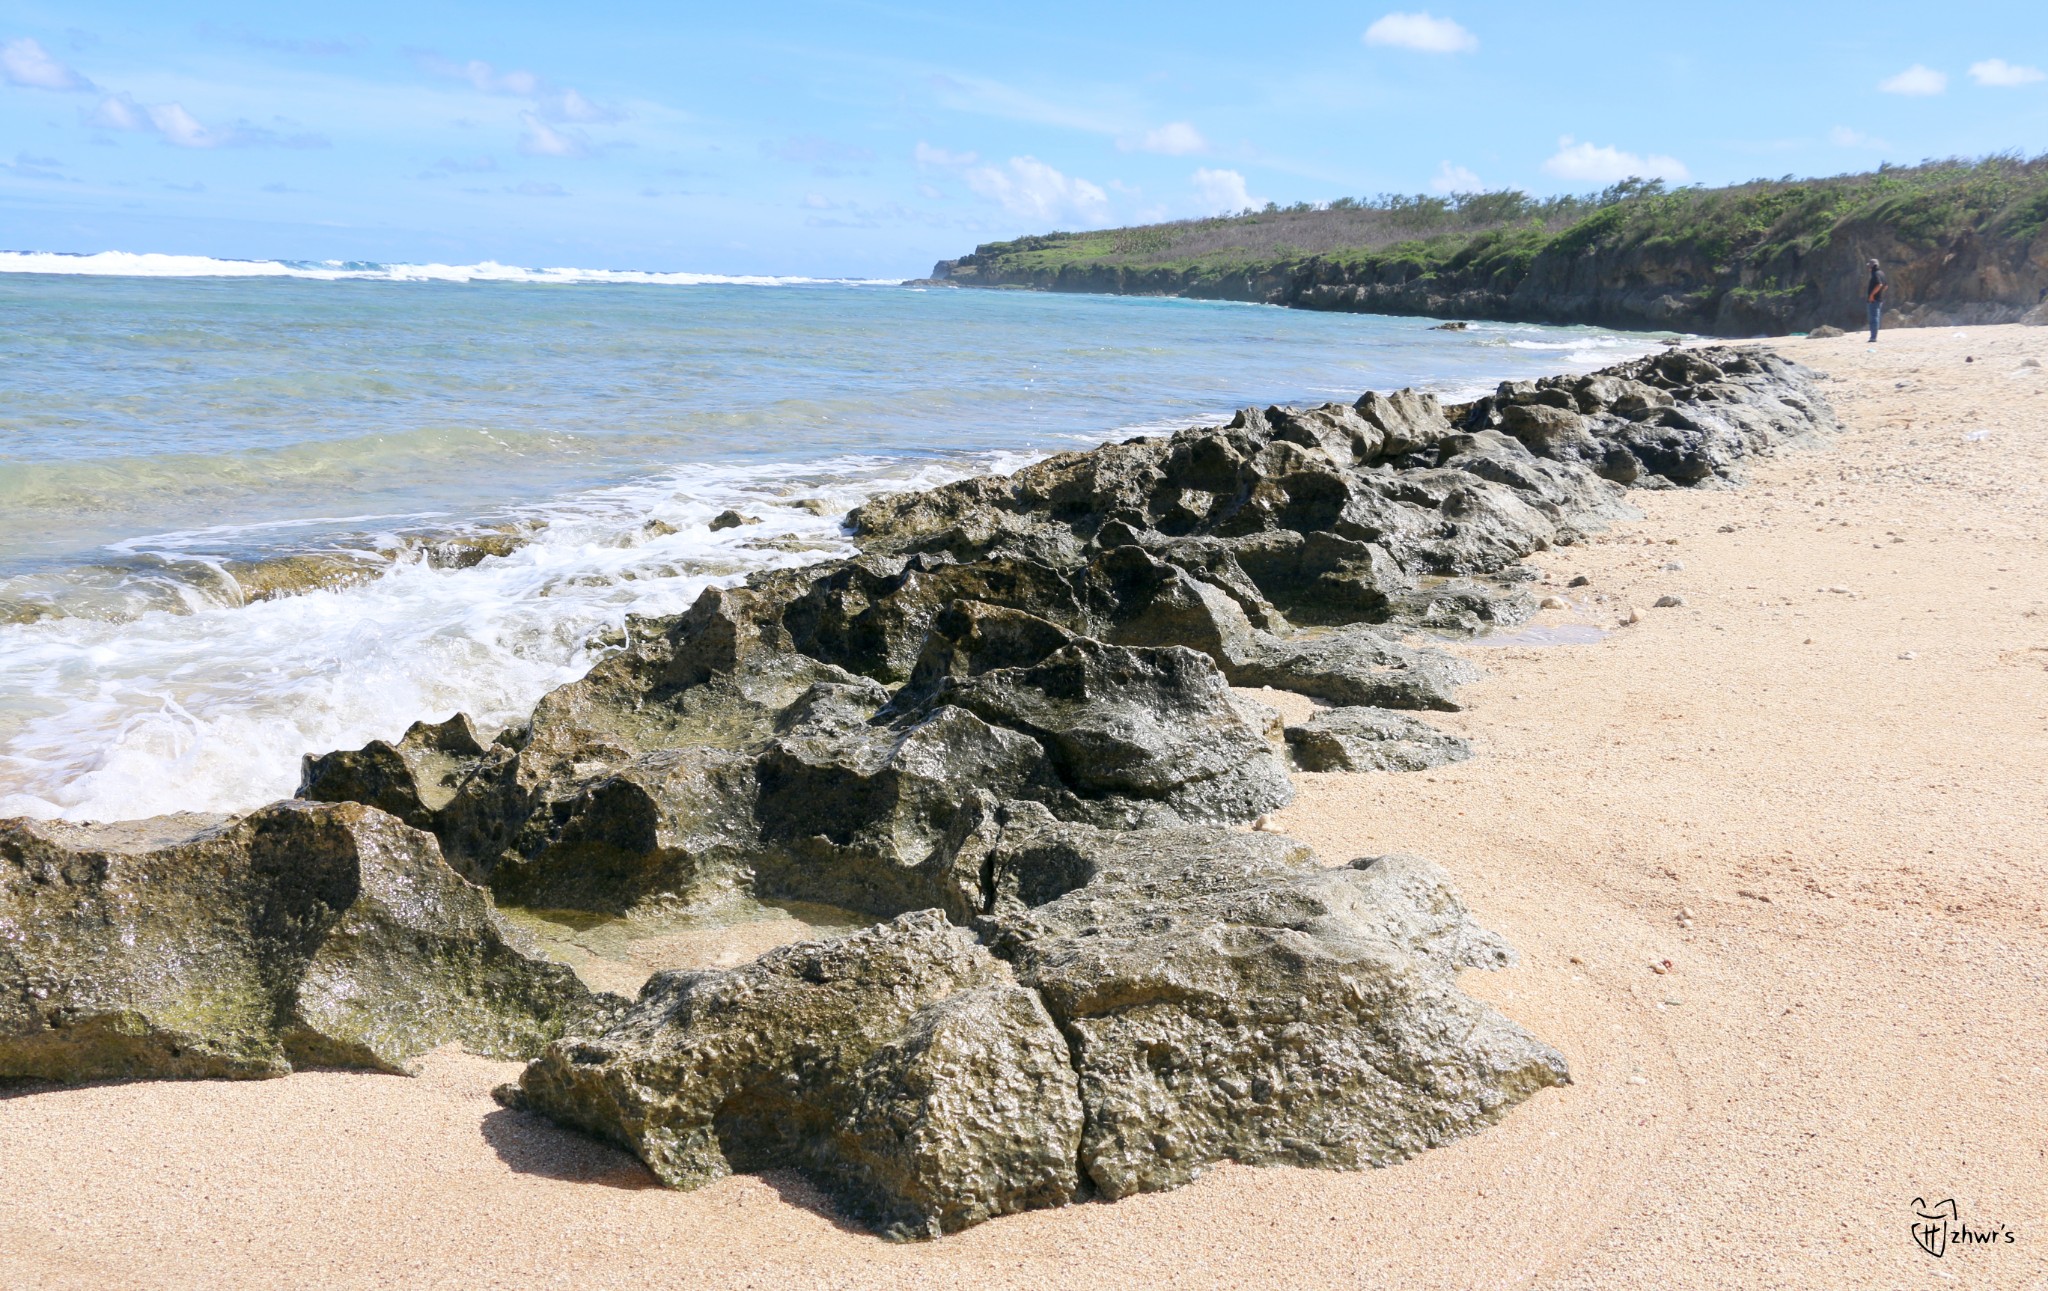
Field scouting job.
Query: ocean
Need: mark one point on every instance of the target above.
(255, 509)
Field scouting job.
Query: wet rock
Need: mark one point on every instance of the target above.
(730, 519)
(901, 1068)
(412, 779)
(1372, 739)
(1226, 998)
(302, 934)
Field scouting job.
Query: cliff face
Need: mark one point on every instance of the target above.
(1592, 276)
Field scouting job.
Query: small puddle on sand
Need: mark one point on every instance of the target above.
(619, 953)
(1558, 635)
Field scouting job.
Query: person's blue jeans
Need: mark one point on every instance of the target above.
(1876, 308)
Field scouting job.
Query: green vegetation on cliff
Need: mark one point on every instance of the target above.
(1962, 241)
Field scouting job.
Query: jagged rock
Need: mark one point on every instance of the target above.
(870, 615)
(1372, 739)
(1356, 665)
(298, 935)
(1144, 734)
(1462, 606)
(730, 519)
(863, 818)
(1226, 998)
(676, 824)
(901, 1067)
(412, 779)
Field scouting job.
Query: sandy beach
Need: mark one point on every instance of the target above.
(1775, 859)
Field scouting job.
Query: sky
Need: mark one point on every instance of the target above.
(869, 140)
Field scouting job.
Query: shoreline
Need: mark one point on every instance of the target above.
(1515, 1215)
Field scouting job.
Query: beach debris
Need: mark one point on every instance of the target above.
(1837, 589)
(1673, 566)
(301, 934)
(1372, 739)
(1726, 528)
(1908, 654)
(1660, 966)
(1668, 601)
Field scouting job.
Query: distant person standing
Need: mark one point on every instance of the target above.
(1873, 295)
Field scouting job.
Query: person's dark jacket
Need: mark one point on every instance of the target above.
(1875, 292)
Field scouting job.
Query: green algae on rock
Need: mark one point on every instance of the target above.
(297, 935)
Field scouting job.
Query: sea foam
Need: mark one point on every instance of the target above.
(152, 264)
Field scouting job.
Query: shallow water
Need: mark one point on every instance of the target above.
(1560, 634)
(218, 494)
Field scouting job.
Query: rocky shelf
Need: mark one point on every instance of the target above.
(1007, 734)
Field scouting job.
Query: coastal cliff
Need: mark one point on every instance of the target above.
(1961, 242)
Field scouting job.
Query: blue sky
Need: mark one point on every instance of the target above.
(870, 139)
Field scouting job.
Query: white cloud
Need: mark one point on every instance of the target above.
(1455, 179)
(1590, 162)
(551, 101)
(1030, 188)
(1174, 139)
(1421, 31)
(1844, 137)
(1915, 80)
(929, 156)
(170, 120)
(569, 105)
(119, 112)
(930, 192)
(1222, 191)
(1996, 71)
(543, 140)
(177, 126)
(24, 62)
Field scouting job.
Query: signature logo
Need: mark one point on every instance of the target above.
(1938, 1226)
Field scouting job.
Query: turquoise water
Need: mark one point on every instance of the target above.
(168, 443)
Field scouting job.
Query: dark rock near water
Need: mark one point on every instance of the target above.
(1013, 711)
(1371, 739)
(412, 779)
(299, 935)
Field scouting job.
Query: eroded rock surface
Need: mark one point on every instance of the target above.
(298, 935)
(901, 1067)
(1372, 739)
(1011, 713)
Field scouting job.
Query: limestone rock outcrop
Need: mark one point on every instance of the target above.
(298, 935)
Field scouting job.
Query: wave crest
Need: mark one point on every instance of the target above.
(153, 264)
